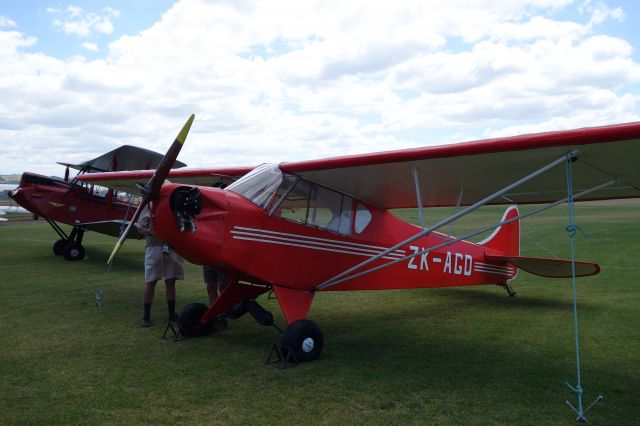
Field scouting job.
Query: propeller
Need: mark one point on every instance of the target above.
(151, 189)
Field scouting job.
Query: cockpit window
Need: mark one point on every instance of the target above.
(314, 205)
(259, 185)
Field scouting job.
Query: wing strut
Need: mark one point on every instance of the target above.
(416, 179)
(333, 281)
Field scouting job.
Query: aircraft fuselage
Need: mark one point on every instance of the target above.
(236, 236)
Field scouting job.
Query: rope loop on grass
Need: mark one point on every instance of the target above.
(577, 390)
(572, 228)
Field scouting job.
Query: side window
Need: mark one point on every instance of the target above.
(295, 205)
(316, 206)
(324, 206)
(363, 218)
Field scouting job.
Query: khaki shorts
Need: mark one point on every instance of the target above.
(212, 276)
(158, 265)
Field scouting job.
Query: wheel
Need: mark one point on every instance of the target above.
(236, 311)
(188, 319)
(58, 246)
(304, 337)
(73, 251)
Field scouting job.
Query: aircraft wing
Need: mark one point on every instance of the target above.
(113, 228)
(467, 171)
(478, 169)
(132, 181)
(8, 186)
(125, 157)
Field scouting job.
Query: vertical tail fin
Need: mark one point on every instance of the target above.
(506, 238)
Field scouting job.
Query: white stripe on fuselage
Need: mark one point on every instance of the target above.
(314, 243)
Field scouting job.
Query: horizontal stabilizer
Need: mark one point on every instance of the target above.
(552, 268)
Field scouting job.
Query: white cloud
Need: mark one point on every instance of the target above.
(291, 80)
(600, 12)
(90, 46)
(74, 20)
(6, 22)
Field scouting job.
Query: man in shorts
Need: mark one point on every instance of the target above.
(216, 282)
(160, 261)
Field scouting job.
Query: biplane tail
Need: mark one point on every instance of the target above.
(506, 238)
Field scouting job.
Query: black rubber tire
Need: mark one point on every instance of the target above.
(73, 251)
(188, 319)
(236, 311)
(58, 246)
(305, 338)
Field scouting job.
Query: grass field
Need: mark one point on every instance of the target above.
(442, 356)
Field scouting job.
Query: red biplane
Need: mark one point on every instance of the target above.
(324, 225)
(83, 206)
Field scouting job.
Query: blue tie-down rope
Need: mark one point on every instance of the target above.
(103, 287)
(579, 411)
(572, 228)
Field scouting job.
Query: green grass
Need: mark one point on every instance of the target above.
(441, 356)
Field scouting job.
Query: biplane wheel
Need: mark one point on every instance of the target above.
(73, 251)
(188, 319)
(305, 338)
(58, 246)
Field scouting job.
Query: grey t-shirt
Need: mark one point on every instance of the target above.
(144, 222)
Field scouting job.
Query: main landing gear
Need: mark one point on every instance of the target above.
(68, 246)
(302, 340)
(189, 317)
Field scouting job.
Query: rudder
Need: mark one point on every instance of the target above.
(506, 238)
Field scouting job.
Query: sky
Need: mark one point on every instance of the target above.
(290, 80)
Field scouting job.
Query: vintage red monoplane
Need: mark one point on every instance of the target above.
(324, 225)
(81, 205)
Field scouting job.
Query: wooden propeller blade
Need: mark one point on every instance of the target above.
(161, 173)
(133, 220)
(151, 190)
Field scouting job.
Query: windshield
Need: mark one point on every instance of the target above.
(259, 185)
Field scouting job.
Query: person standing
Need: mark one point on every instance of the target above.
(216, 282)
(160, 261)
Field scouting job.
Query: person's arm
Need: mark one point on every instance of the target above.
(143, 225)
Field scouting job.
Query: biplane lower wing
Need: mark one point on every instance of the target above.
(113, 228)
(550, 268)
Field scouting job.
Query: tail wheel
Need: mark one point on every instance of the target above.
(73, 251)
(189, 320)
(305, 339)
(58, 246)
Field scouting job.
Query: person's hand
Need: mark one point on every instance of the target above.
(145, 231)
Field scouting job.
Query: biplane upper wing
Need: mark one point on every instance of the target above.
(473, 170)
(125, 157)
(132, 181)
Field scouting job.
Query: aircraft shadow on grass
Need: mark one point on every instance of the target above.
(498, 299)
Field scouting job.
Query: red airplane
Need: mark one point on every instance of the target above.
(83, 206)
(324, 225)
